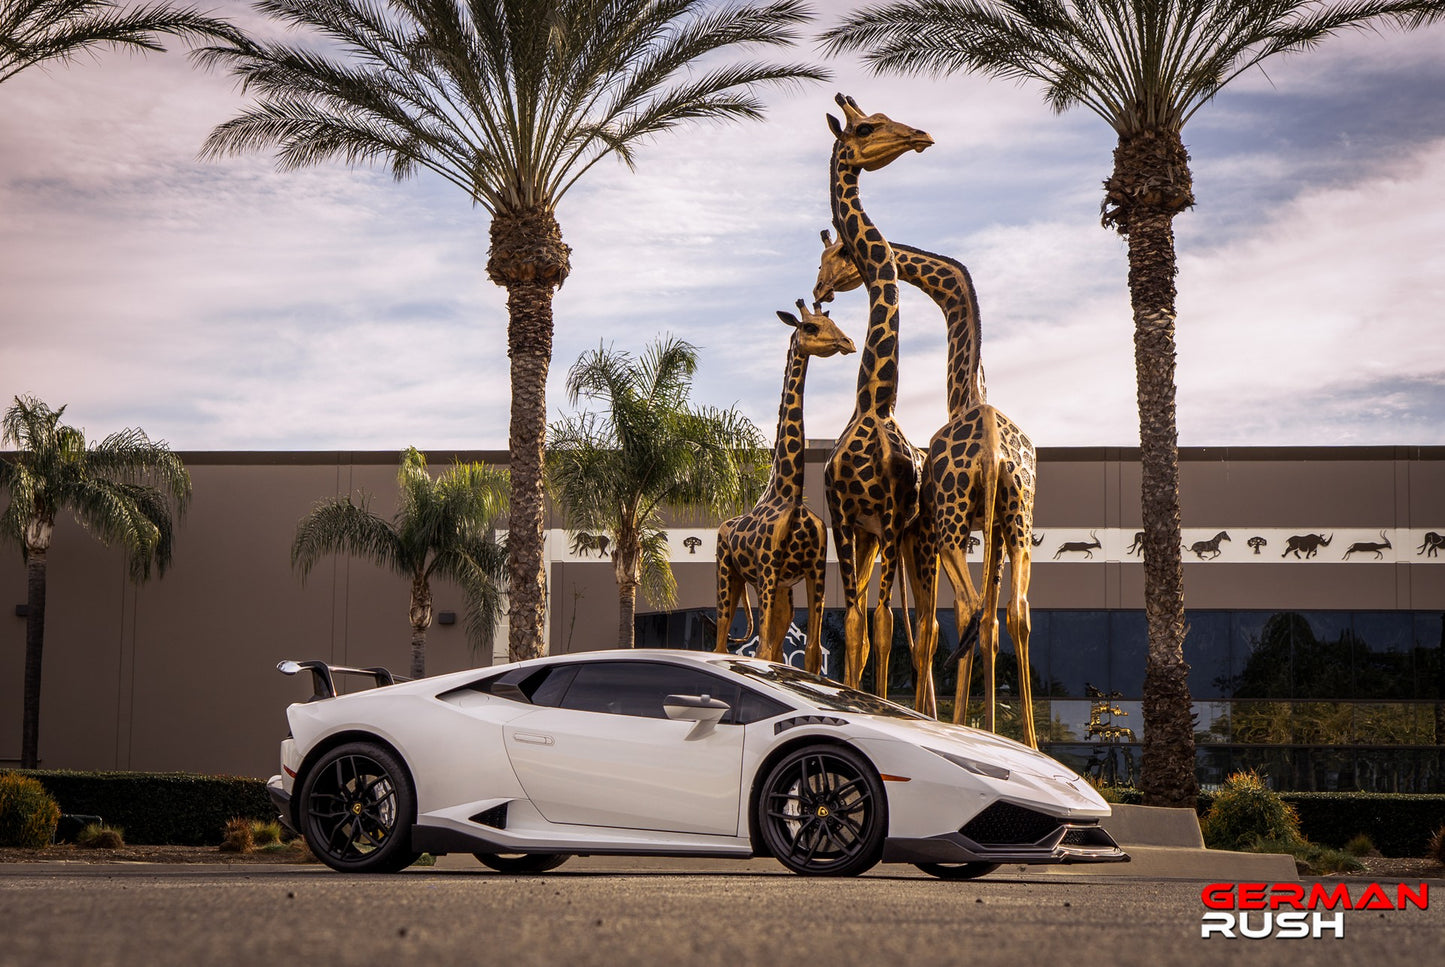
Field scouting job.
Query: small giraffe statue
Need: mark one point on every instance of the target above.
(995, 458)
(872, 476)
(780, 540)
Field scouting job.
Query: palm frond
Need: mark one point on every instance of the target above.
(36, 31)
(341, 526)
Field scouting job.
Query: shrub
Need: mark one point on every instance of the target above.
(1361, 845)
(238, 837)
(1400, 824)
(1436, 848)
(266, 833)
(1246, 810)
(160, 808)
(96, 836)
(28, 814)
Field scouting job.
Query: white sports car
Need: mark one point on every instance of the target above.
(665, 753)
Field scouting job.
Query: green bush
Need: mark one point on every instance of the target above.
(1311, 858)
(267, 834)
(160, 808)
(96, 836)
(1247, 810)
(239, 836)
(28, 814)
(1399, 824)
(1360, 845)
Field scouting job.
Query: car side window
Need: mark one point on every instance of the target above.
(640, 688)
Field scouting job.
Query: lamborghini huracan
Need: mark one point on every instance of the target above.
(664, 753)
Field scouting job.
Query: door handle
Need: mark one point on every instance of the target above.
(532, 738)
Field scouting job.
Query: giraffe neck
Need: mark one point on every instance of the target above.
(948, 284)
(865, 244)
(789, 450)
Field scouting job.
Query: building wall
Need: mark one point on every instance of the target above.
(179, 673)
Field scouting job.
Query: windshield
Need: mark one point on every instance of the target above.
(817, 690)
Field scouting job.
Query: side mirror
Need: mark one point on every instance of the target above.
(705, 710)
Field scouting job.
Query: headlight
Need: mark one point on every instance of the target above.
(973, 765)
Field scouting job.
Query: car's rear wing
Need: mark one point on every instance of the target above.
(323, 676)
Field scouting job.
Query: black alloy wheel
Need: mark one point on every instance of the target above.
(957, 871)
(357, 806)
(823, 812)
(523, 862)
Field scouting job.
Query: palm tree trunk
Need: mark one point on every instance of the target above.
(626, 614)
(1168, 776)
(34, 649)
(420, 615)
(1151, 183)
(530, 260)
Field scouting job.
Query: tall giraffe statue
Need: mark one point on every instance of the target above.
(980, 474)
(780, 541)
(872, 476)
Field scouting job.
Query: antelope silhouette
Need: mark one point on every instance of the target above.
(1086, 547)
(1370, 547)
(1309, 543)
(1210, 547)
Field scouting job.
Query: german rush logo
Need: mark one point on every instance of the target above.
(1293, 911)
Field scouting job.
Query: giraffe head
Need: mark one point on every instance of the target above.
(836, 271)
(870, 141)
(817, 335)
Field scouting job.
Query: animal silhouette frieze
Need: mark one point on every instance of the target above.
(1037, 539)
(584, 543)
(692, 544)
(1087, 548)
(1210, 547)
(1257, 542)
(1309, 544)
(1137, 547)
(1431, 546)
(1370, 547)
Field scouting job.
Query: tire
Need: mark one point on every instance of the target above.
(823, 812)
(523, 862)
(957, 871)
(356, 809)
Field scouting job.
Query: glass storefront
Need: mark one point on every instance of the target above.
(1315, 700)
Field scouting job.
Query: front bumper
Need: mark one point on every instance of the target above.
(1070, 843)
(281, 799)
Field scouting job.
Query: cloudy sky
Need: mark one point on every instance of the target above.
(221, 305)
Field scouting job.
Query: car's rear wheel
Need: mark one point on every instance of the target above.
(356, 810)
(523, 862)
(823, 812)
(957, 871)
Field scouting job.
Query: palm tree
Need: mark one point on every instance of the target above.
(1145, 67)
(35, 31)
(613, 472)
(442, 529)
(512, 101)
(120, 489)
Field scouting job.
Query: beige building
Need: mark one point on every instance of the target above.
(1335, 549)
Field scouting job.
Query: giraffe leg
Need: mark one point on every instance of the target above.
(992, 568)
(865, 551)
(883, 613)
(730, 586)
(777, 616)
(1018, 628)
(965, 607)
(921, 565)
(814, 582)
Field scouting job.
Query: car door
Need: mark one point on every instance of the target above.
(607, 755)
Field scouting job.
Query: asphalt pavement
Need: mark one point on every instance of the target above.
(674, 913)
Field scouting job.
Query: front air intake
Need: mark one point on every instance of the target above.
(1005, 824)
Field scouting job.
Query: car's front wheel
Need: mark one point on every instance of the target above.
(356, 809)
(957, 871)
(823, 812)
(523, 862)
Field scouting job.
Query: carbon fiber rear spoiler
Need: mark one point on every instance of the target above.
(323, 676)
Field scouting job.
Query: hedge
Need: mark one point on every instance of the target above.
(1398, 824)
(173, 808)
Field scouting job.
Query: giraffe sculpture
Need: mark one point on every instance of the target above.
(872, 475)
(979, 451)
(780, 541)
